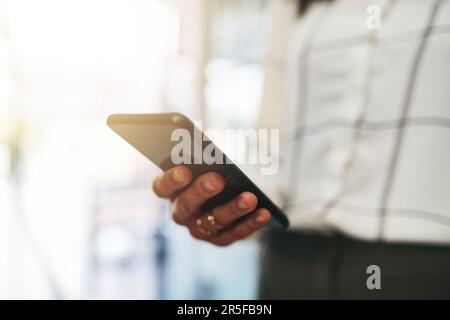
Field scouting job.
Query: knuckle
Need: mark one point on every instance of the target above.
(182, 205)
(235, 212)
(241, 231)
(253, 225)
(198, 191)
(217, 213)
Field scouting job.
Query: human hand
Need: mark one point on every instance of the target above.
(225, 224)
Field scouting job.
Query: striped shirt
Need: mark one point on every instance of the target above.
(367, 120)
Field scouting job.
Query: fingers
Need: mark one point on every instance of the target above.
(244, 203)
(243, 229)
(186, 205)
(254, 222)
(171, 181)
(221, 226)
(222, 216)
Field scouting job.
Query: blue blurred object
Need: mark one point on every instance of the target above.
(198, 270)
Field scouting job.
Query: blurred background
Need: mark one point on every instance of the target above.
(77, 215)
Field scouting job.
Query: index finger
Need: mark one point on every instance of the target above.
(171, 181)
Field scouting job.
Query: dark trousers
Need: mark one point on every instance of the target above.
(306, 266)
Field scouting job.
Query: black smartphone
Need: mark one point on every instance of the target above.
(152, 135)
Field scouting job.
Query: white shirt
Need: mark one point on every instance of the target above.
(367, 121)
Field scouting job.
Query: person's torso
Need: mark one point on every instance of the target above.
(371, 112)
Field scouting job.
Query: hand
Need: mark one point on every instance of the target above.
(222, 226)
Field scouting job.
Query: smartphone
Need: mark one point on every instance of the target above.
(151, 135)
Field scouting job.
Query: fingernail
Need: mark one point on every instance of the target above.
(180, 206)
(241, 203)
(262, 217)
(209, 185)
(178, 176)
